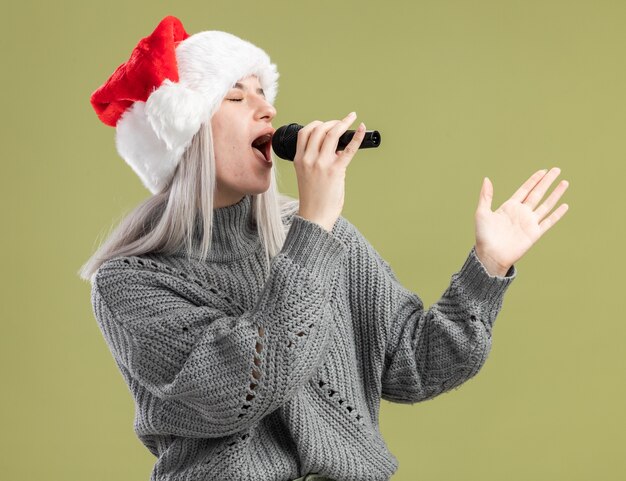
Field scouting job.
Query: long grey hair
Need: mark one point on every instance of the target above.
(165, 222)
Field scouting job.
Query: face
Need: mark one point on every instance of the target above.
(243, 115)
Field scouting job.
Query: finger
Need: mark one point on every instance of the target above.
(523, 191)
(317, 137)
(551, 201)
(537, 192)
(329, 146)
(303, 138)
(486, 195)
(353, 146)
(553, 218)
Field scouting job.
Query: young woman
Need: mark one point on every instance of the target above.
(258, 333)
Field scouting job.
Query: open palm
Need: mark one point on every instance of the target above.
(503, 236)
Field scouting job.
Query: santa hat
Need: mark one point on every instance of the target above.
(172, 83)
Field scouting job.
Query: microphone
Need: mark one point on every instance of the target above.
(285, 139)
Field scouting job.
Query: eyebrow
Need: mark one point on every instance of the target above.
(240, 86)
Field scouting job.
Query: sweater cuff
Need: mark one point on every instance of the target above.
(476, 283)
(313, 248)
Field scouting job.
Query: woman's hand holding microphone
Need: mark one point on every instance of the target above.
(321, 169)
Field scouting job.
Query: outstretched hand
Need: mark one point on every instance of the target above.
(503, 236)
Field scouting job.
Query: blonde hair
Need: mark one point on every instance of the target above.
(165, 222)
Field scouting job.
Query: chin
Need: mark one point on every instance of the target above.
(259, 191)
(261, 188)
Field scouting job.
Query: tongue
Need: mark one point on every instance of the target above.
(260, 153)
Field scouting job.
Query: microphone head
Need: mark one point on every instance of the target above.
(284, 141)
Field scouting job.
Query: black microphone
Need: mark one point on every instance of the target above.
(285, 139)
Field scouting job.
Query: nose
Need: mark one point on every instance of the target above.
(265, 110)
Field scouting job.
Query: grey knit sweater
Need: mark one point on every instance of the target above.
(238, 373)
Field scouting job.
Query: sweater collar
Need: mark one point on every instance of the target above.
(234, 233)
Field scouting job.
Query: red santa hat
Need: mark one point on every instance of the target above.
(171, 84)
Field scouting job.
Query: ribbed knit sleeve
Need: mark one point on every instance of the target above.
(427, 352)
(217, 372)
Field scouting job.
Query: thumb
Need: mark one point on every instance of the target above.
(486, 195)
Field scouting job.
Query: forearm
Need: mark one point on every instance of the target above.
(434, 351)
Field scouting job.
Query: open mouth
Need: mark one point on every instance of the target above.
(263, 144)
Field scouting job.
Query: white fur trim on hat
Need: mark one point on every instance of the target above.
(151, 136)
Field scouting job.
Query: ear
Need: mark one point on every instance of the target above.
(175, 113)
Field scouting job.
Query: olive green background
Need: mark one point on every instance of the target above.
(459, 90)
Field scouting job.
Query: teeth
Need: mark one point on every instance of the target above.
(261, 140)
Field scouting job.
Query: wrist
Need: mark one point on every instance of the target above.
(326, 225)
(490, 264)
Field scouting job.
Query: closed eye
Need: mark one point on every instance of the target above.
(236, 100)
